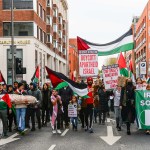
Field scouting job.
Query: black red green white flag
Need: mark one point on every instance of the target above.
(122, 44)
(36, 75)
(2, 80)
(57, 78)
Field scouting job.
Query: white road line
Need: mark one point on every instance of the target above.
(108, 119)
(52, 147)
(64, 133)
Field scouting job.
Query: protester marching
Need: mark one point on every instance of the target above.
(64, 103)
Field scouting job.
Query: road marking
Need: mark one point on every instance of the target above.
(110, 138)
(9, 139)
(52, 147)
(108, 119)
(64, 133)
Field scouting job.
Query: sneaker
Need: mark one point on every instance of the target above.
(91, 130)
(33, 129)
(86, 129)
(22, 133)
(128, 132)
(119, 128)
(58, 131)
(54, 131)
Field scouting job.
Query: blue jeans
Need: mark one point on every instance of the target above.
(21, 112)
(74, 121)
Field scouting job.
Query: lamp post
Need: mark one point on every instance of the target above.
(55, 56)
(12, 42)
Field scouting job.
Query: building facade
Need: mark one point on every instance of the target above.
(142, 42)
(73, 59)
(40, 37)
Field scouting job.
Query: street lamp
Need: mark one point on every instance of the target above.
(12, 48)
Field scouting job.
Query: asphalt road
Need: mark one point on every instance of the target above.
(78, 140)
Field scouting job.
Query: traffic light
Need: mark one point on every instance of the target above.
(18, 66)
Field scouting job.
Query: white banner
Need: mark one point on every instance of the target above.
(110, 75)
(88, 63)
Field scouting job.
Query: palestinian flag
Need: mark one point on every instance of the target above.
(131, 75)
(122, 44)
(2, 80)
(5, 98)
(122, 66)
(57, 78)
(36, 75)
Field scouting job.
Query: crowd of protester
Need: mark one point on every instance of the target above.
(52, 106)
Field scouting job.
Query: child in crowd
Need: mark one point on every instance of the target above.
(57, 111)
(74, 119)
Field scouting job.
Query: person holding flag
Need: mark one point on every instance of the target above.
(4, 102)
(89, 107)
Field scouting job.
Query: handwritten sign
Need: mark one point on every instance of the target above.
(110, 75)
(88, 63)
(72, 110)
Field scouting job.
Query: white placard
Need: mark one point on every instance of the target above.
(110, 75)
(88, 63)
(142, 68)
(72, 110)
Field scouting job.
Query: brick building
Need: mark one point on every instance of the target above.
(41, 36)
(142, 40)
(73, 59)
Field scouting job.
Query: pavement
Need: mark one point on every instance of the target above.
(79, 140)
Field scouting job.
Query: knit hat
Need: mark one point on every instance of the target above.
(89, 79)
(34, 85)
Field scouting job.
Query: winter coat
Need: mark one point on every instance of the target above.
(66, 95)
(37, 94)
(103, 100)
(127, 101)
(46, 99)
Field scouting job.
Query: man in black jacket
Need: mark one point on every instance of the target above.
(66, 95)
(34, 108)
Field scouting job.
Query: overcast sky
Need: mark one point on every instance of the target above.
(102, 21)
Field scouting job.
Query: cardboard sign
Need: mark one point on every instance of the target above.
(72, 110)
(110, 75)
(121, 81)
(88, 63)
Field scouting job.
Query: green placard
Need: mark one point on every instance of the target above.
(143, 108)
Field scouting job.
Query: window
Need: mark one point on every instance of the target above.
(40, 11)
(60, 33)
(64, 51)
(20, 29)
(64, 26)
(55, 44)
(55, 12)
(49, 20)
(43, 15)
(40, 37)
(49, 38)
(18, 4)
(49, 3)
(55, 28)
(64, 38)
(60, 20)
